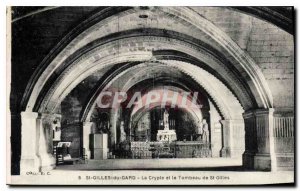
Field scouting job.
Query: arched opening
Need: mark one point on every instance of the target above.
(196, 56)
(130, 131)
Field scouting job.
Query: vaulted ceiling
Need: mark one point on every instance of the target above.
(37, 30)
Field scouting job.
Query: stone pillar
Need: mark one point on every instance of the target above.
(99, 146)
(259, 139)
(113, 128)
(29, 159)
(216, 139)
(86, 131)
(45, 124)
(227, 138)
(216, 130)
(233, 138)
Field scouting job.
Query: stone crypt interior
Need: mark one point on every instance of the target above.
(240, 60)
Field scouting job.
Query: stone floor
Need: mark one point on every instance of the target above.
(166, 164)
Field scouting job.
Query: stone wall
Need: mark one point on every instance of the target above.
(70, 125)
(273, 51)
(270, 47)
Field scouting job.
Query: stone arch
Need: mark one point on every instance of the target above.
(206, 80)
(67, 82)
(229, 107)
(147, 69)
(187, 15)
(139, 114)
(202, 77)
(243, 63)
(195, 112)
(184, 84)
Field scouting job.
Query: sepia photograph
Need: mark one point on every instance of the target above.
(150, 95)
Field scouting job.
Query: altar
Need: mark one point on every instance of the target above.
(167, 134)
(167, 145)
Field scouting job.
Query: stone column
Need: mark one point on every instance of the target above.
(113, 128)
(99, 146)
(259, 153)
(227, 138)
(233, 138)
(29, 159)
(216, 139)
(216, 131)
(87, 130)
(45, 124)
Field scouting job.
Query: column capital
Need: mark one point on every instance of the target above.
(268, 111)
(49, 115)
(258, 112)
(28, 114)
(85, 123)
(225, 121)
